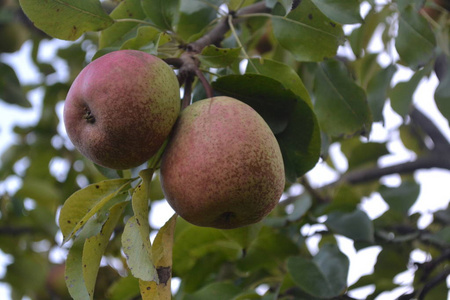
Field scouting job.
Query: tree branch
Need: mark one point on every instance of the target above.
(429, 127)
(432, 160)
(216, 35)
(438, 157)
(441, 277)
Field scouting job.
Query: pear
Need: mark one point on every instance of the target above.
(121, 108)
(223, 166)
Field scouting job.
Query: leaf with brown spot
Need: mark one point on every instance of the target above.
(162, 258)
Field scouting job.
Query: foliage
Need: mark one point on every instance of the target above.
(280, 57)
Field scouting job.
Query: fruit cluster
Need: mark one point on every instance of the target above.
(222, 166)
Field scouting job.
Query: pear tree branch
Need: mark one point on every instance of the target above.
(188, 63)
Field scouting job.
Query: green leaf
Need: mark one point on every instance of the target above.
(366, 154)
(413, 29)
(163, 13)
(300, 141)
(307, 33)
(195, 15)
(281, 73)
(66, 19)
(341, 105)
(360, 37)
(402, 94)
(401, 198)
(244, 236)
(147, 37)
(267, 96)
(124, 288)
(10, 88)
(324, 276)
(345, 199)
(218, 57)
(344, 12)
(355, 225)
(117, 33)
(85, 203)
(216, 291)
(268, 251)
(442, 95)
(441, 237)
(377, 91)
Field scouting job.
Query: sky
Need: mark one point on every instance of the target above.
(434, 195)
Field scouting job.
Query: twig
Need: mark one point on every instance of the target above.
(216, 35)
(208, 89)
(187, 92)
(433, 282)
(313, 192)
(429, 127)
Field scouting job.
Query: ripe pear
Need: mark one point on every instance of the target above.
(121, 108)
(222, 167)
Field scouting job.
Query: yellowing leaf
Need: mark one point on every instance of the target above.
(83, 204)
(84, 257)
(139, 258)
(162, 258)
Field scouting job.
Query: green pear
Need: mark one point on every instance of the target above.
(121, 108)
(222, 167)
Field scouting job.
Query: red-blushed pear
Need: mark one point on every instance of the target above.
(222, 167)
(121, 108)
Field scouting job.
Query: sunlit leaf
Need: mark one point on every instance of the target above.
(116, 34)
(95, 246)
(145, 36)
(307, 33)
(139, 259)
(83, 204)
(84, 257)
(66, 19)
